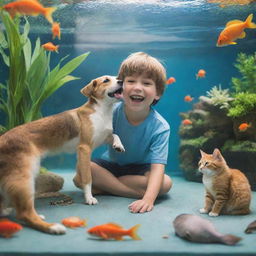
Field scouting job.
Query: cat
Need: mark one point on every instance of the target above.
(227, 190)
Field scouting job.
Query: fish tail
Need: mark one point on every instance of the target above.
(133, 232)
(230, 239)
(48, 13)
(57, 48)
(249, 23)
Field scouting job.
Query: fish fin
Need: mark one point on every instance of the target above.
(4, 219)
(232, 22)
(103, 235)
(249, 23)
(114, 225)
(230, 239)
(57, 48)
(232, 43)
(34, 14)
(243, 34)
(119, 238)
(48, 13)
(133, 232)
(187, 235)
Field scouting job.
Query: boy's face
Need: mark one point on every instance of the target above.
(139, 92)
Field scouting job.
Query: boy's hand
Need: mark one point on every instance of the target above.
(141, 206)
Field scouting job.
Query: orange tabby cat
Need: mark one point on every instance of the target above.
(227, 190)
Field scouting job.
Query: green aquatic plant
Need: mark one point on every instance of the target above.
(195, 142)
(220, 97)
(243, 104)
(246, 145)
(30, 78)
(246, 65)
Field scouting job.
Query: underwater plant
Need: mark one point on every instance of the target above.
(220, 97)
(246, 65)
(31, 80)
(243, 104)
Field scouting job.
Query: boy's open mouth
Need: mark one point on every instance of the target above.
(137, 98)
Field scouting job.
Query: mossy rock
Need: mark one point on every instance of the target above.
(188, 165)
(48, 182)
(243, 161)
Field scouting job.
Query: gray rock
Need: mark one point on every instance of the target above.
(48, 182)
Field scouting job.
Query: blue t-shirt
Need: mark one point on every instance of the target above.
(145, 143)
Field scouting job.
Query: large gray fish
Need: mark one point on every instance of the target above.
(197, 229)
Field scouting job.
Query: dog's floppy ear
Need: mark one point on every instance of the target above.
(89, 88)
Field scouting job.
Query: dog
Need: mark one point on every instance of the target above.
(78, 130)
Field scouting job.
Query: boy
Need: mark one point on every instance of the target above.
(139, 171)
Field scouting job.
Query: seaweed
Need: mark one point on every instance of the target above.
(244, 103)
(30, 78)
(238, 146)
(246, 65)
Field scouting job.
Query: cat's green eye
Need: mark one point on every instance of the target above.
(206, 163)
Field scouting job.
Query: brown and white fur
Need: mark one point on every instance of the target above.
(78, 130)
(227, 190)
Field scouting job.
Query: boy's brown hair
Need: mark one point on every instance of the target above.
(139, 63)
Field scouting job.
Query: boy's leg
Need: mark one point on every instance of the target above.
(105, 182)
(140, 182)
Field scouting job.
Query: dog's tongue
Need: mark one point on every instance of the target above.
(118, 96)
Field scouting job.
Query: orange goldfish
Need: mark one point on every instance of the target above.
(115, 231)
(29, 7)
(186, 122)
(225, 3)
(50, 47)
(188, 98)
(201, 73)
(55, 30)
(171, 80)
(234, 30)
(8, 228)
(244, 126)
(73, 222)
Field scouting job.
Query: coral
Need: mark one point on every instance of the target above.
(243, 104)
(220, 97)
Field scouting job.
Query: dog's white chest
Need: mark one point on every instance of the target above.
(102, 125)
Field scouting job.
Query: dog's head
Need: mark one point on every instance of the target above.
(105, 88)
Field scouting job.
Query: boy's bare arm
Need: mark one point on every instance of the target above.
(155, 182)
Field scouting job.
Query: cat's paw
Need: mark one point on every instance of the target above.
(203, 210)
(213, 214)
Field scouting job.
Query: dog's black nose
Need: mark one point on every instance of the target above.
(120, 82)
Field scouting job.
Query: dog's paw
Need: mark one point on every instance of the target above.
(91, 200)
(57, 229)
(118, 147)
(213, 214)
(203, 210)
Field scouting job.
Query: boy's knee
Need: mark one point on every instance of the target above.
(167, 184)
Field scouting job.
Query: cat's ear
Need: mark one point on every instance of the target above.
(202, 153)
(217, 155)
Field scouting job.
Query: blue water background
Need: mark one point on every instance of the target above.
(182, 34)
